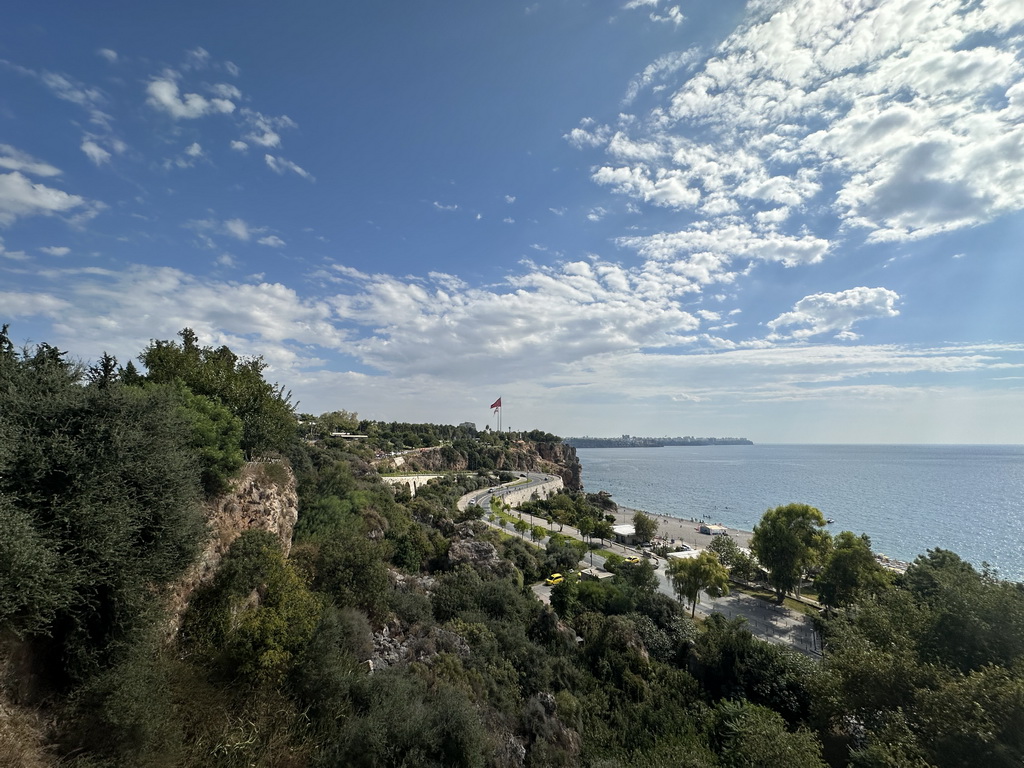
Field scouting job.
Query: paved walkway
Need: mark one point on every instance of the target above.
(767, 621)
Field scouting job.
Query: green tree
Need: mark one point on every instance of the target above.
(216, 438)
(788, 540)
(100, 509)
(726, 548)
(268, 423)
(850, 571)
(752, 736)
(258, 614)
(646, 527)
(692, 575)
(603, 530)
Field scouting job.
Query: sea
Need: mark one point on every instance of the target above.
(906, 498)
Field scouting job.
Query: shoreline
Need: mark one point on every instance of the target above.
(682, 530)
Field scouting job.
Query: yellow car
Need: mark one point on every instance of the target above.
(554, 578)
(633, 559)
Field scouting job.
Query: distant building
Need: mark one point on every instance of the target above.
(625, 534)
(468, 425)
(713, 530)
(686, 554)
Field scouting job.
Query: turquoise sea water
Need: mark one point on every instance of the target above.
(907, 498)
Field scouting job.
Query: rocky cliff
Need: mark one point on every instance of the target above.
(519, 456)
(262, 497)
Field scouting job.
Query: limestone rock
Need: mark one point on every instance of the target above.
(262, 497)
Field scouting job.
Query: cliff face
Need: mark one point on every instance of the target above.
(262, 497)
(522, 456)
(564, 458)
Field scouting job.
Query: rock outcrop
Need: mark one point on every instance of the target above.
(554, 458)
(263, 497)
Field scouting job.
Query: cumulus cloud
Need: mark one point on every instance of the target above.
(108, 54)
(837, 312)
(264, 130)
(56, 250)
(904, 118)
(164, 95)
(273, 241)
(20, 197)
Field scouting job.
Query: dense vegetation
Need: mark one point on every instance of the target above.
(379, 642)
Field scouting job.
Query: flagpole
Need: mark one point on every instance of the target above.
(496, 405)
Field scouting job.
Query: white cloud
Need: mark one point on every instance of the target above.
(198, 58)
(443, 207)
(659, 70)
(837, 312)
(279, 165)
(56, 250)
(20, 197)
(904, 117)
(12, 255)
(239, 146)
(510, 199)
(15, 160)
(272, 241)
(95, 152)
(225, 91)
(588, 134)
(194, 150)
(264, 129)
(237, 229)
(108, 54)
(671, 15)
(164, 95)
(727, 242)
(17, 304)
(668, 188)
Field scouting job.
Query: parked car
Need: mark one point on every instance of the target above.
(554, 578)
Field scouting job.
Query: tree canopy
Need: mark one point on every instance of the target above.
(645, 526)
(850, 571)
(692, 575)
(237, 383)
(786, 541)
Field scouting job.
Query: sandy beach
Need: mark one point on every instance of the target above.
(670, 528)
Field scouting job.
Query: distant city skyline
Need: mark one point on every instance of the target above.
(796, 222)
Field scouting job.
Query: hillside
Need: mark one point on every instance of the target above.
(164, 602)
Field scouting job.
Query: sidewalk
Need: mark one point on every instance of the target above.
(767, 621)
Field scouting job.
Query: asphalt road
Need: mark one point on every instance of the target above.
(768, 621)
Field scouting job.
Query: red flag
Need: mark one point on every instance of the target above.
(496, 403)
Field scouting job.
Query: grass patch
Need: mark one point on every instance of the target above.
(768, 596)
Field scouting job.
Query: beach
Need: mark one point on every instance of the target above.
(684, 531)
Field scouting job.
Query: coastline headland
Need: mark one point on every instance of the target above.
(629, 441)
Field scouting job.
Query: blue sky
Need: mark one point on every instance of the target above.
(794, 221)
